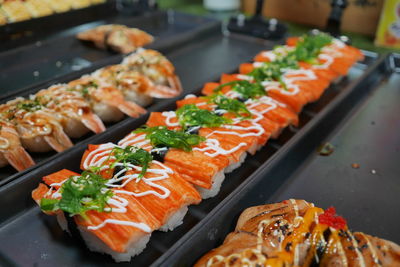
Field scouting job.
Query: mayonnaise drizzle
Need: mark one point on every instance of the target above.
(142, 226)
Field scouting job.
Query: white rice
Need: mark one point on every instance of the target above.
(62, 221)
(135, 246)
(253, 149)
(216, 185)
(107, 113)
(139, 98)
(175, 220)
(237, 164)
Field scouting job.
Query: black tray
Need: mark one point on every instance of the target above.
(59, 52)
(363, 124)
(24, 228)
(185, 29)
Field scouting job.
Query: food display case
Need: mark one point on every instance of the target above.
(356, 117)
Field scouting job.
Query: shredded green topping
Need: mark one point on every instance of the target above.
(306, 50)
(229, 104)
(191, 115)
(273, 71)
(309, 46)
(162, 137)
(84, 88)
(245, 88)
(133, 155)
(30, 105)
(80, 194)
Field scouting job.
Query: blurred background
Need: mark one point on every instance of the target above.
(371, 24)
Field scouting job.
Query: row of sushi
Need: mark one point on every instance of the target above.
(19, 10)
(146, 181)
(296, 233)
(46, 121)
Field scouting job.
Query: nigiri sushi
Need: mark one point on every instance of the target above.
(295, 233)
(109, 220)
(157, 187)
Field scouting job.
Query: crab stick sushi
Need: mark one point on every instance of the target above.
(109, 220)
(161, 190)
(204, 170)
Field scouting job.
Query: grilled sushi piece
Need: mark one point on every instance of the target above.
(11, 150)
(119, 38)
(295, 233)
(15, 10)
(158, 69)
(106, 101)
(161, 190)
(76, 115)
(109, 220)
(39, 128)
(134, 85)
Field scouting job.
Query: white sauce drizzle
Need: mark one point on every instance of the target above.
(142, 226)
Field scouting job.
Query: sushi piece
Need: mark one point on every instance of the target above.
(11, 150)
(272, 115)
(105, 100)
(110, 221)
(38, 8)
(38, 127)
(180, 151)
(157, 187)
(77, 117)
(158, 69)
(15, 10)
(119, 38)
(295, 233)
(134, 85)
